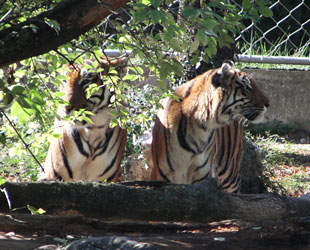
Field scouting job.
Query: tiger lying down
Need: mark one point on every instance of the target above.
(201, 134)
(87, 151)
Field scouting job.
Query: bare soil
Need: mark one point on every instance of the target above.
(29, 232)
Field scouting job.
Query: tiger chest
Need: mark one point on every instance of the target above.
(93, 141)
(192, 157)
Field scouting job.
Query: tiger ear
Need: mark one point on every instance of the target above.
(119, 63)
(224, 74)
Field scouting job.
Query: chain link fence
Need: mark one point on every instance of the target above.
(282, 38)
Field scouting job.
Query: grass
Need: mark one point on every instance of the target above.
(286, 163)
(17, 168)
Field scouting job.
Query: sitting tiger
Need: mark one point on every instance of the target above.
(200, 134)
(87, 151)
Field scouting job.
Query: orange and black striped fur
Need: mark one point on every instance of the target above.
(229, 144)
(86, 151)
(200, 134)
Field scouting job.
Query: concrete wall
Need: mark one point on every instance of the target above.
(289, 93)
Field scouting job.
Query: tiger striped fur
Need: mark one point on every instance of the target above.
(229, 144)
(86, 151)
(200, 134)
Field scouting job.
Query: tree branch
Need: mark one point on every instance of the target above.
(35, 37)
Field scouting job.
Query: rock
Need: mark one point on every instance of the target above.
(305, 197)
(108, 243)
(46, 247)
(251, 171)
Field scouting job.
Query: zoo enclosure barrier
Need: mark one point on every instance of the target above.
(283, 38)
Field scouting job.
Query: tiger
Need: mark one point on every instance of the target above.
(199, 133)
(87, 151)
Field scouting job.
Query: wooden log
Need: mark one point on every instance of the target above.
(151, 201)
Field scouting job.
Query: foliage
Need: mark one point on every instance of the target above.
(13, 12)
(163, 36)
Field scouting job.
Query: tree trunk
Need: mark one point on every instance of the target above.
(151, 201)
(74, 17)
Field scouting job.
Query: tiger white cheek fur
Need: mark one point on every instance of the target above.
(201, 134)
(86, 151)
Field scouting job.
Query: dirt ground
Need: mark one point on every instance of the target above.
(29, 232)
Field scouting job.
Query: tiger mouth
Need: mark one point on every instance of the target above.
(254, 115)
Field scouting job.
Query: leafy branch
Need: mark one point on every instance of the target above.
(21, 138)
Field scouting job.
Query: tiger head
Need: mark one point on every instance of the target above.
(79, 79)
(240, 95)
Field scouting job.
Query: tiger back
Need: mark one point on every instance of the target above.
(87, 151)
(200, 134)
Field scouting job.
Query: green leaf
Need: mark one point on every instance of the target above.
(261, 2)
(15, 109)
(202, 36)
(209, 24)
(7, 98)
(191, 12)
(155, 15)
(27, 102)
(55, 135)
(37, 97)
(194, 46)
(85, 119)
(114, 113)
(2, 180)
(114, 123)
(58, 94)
(164, 69)
(195, 58)
(176, 44)
(168, 33)
(54, 60)
(177, 67)
(130, 77)
(34, 210)
(89, 113)
(246, 4)
(141, 15)
(162, 84)
(31, 26)
(265, 11)
(124, 112)
(18, 90)
(136, 70)
(146, 2)
(2, 83)
(156, 3)
(91, 89)
(53, 24)
(211, 33)
(23, 114)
